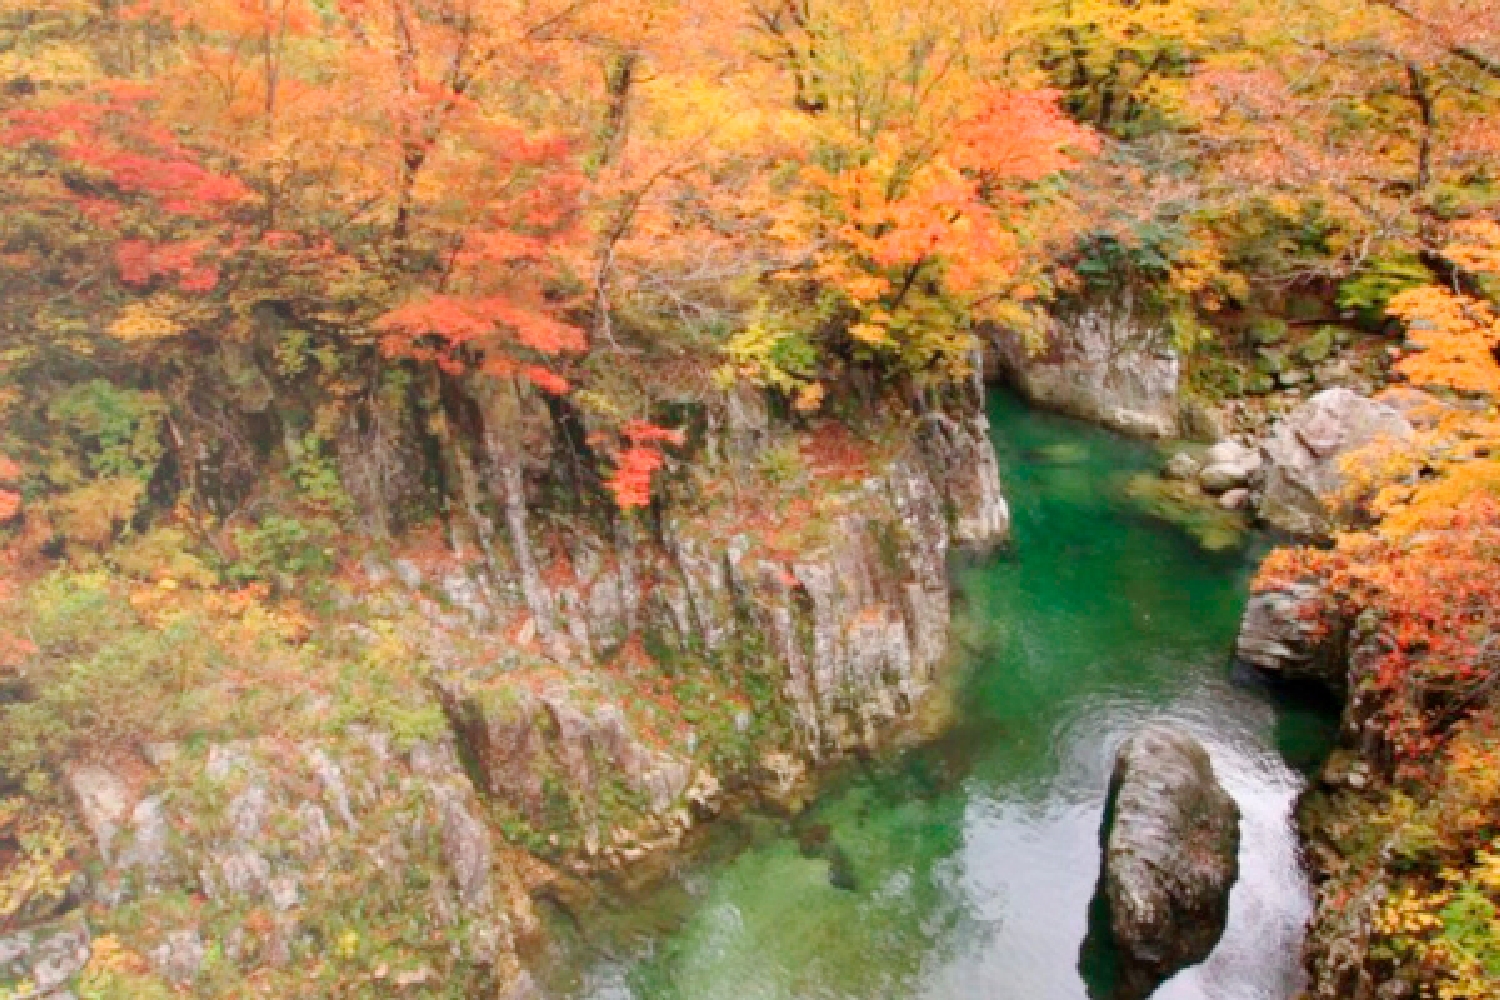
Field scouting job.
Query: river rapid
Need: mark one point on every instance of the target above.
(966, 867)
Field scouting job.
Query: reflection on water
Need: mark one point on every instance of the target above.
(965, 868)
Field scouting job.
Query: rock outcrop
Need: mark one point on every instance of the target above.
(1305, 451)
(273, 838)
(45, 957)
(1285, 632)
(1103, 361)
(1171, 857)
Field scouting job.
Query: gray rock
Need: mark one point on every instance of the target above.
(1304, 451)
(1236, 499)
(1283, 633)
(1171, 857)
(179, 957)
(1182, 466)
(226, 758)
(408, 573)
(466, 594)
(103, 799)
(47, 956)
(241, 871)
(962, 464)
(161, 754)
(248, 811)
(1105, 361)
(1292, 377)
(332, 779)
(313, 832)
(285, 892)
(466, 848)
(147, 849)
(1228, 465)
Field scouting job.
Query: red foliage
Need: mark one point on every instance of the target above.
(457, 331)
(1432, 604)
(545, 380)
(110, 132)
(140, 262)
(637, 463)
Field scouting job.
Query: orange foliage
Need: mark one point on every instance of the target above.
(1458, 334)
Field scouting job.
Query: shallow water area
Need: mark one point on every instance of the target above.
(966, 867)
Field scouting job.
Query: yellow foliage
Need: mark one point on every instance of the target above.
(91, 514)
(151, 320)
(40, 870)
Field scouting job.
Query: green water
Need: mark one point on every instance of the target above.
(965, 868)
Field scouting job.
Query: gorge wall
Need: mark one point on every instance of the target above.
(606, 683)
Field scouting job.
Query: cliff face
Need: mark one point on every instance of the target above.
(604, 681)
(1105, 361)
(844, 630)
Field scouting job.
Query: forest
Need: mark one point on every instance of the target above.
(283, 282)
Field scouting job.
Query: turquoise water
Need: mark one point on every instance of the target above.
(965, 868)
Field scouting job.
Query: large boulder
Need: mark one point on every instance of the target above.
(1104, 361)
(1171, 857)
(1305, 452)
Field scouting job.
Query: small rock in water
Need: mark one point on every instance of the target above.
(1182, 466)
(1228, 465)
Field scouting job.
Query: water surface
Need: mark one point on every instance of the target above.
(965, 868)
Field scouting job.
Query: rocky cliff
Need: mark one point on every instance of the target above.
(603, 681)
(1104, 360)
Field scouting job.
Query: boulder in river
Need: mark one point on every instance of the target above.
(1183, 466)
(1171, 857)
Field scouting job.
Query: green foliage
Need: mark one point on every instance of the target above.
(773, 351)
(281, 548)
(1108, 261)
(1368, 294)
(382, 688)
(106, 431)
(782, 464)
(1268, 331)
(316, 474)
(163, 554)
(38, 843)
(1471, 925)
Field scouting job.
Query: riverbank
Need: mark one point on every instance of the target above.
(1401, 825)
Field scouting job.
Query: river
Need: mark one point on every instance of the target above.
(965, 868)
